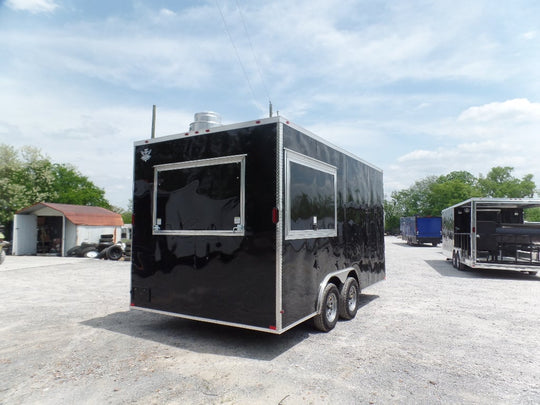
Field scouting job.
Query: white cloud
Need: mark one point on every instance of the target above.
(516, 110)
(32, 6)
(167, 13)
(131, 60)
(530, 35)
(495, 134)
(98, 141)
(385, 80)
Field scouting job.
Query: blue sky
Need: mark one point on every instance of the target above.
(417, 88)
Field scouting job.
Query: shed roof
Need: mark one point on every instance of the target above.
(79, 214)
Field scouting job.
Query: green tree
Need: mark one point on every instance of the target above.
(532, 214)
(431, 195)
(9, 191)
(25, 178)
(127, 215)
(392, 214)
(499, 182)
(28, 177)
(415, 199)
(445, 193)
(71, 187)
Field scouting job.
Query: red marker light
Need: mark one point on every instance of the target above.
(275, 215)
(272, 327)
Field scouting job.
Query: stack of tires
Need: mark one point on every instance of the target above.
(127, 251)
(105, 249)
(84, 250)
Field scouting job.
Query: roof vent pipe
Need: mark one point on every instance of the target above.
(153, 133)
(205, 120)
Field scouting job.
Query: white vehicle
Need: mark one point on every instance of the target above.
(490, 233)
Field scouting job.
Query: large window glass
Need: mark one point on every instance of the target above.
(310, 197)
(203, 197)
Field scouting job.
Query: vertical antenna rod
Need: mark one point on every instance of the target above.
(270, 108)
(153, 121)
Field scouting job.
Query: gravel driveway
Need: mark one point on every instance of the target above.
(428, 334)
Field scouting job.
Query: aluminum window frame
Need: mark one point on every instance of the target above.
(238, 230)
(298, 158)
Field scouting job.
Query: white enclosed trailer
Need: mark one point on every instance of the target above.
(490, 233)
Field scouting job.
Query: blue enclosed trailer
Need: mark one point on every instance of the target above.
(419, 230)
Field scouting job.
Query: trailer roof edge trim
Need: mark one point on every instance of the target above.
(531, 202)
(220, 128)
(332, 145)
(262, 121)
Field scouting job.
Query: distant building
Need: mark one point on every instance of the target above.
(53, 229)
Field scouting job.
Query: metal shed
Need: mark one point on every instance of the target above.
(53, 229)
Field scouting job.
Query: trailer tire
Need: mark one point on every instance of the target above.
(348, 305)
(74, 251)
(328, 316)
(454, 264)
(115, 252)
(90, 252)
(459, 265)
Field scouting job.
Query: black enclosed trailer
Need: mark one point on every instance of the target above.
(260, 225)
(490, 233)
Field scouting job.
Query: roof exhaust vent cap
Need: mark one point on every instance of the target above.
(205, 120)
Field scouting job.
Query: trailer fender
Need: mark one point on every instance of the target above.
(338, 277)
(326, 319)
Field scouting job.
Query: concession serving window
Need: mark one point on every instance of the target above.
(200, 197)
(310, 197)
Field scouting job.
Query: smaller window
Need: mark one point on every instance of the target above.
(310, 199)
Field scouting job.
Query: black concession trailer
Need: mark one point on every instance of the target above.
(490, 233)
(260, 225)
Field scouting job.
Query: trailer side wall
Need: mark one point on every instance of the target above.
(359, 240)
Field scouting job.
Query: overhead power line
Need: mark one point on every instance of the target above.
(235, 49)
(255, 58)
(237, 53)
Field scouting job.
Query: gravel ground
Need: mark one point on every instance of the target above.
(428, 334)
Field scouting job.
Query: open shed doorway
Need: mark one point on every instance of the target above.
(50, 231)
